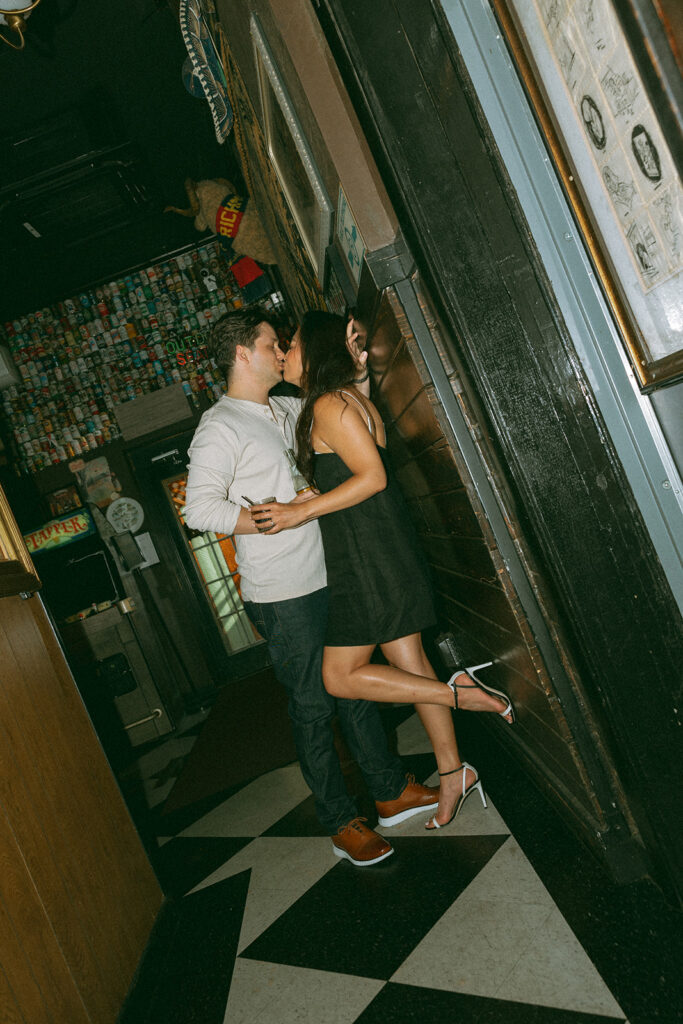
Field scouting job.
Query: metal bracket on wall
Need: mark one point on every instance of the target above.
(391, 263)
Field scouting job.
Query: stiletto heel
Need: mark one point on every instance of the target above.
(477, 684)
(433, 823)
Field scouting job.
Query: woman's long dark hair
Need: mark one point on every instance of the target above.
(327, 366)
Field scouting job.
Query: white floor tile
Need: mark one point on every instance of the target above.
(256, 807)
(473, 947)
(555, 971)
(412, 738)
(265, 993)
(282, 870)
(505, 938)
(508, 877)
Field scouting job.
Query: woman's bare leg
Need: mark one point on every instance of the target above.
(408, 654)
(347, 672)
(408, 679)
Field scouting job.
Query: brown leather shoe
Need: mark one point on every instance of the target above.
(359, 844)
(413, 800)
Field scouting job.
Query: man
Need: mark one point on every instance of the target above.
(238, 456)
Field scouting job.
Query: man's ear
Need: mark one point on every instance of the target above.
(242, 353)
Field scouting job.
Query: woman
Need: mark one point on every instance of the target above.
(379, 594)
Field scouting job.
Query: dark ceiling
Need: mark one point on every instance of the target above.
(97, 134)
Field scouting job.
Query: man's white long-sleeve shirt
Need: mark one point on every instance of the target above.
(239, 449)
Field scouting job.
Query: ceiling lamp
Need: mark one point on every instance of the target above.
(15, 19)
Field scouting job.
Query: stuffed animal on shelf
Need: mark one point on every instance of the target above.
(215, 205)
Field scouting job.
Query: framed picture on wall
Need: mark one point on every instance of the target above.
(65, 499)
(349, 238)
(291, 155)
(616, 166)
(338, 292)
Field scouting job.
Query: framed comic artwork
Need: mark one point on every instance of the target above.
(615, 163)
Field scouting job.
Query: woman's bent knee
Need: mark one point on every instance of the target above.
(335, 683)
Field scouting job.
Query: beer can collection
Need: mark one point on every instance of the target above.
(82, 357)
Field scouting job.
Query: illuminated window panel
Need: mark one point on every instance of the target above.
(216, 563)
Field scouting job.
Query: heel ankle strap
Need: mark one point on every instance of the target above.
(463, 768)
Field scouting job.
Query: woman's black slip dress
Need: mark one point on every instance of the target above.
(378, 585)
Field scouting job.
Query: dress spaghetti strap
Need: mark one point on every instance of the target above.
(358, 402)
(371, 424)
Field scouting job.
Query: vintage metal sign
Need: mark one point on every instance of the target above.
(60, 531)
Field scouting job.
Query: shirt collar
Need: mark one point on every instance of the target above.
(255, 407)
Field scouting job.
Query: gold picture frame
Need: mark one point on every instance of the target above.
(17, 573)
(609, 150)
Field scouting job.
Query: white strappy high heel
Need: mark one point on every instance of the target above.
(433, 823)
(477, 684)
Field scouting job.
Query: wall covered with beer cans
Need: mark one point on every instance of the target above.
(82, 357)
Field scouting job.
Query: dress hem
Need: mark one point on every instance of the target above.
(377, 643)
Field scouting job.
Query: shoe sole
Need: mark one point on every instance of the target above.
(396, 819)
(361, 863)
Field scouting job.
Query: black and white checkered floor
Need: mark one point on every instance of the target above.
(503, 917)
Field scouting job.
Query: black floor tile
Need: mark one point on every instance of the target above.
(300, 821)
(632, 935)
(413, 1005)
(184, 862)
(185, 974)
(366, 921)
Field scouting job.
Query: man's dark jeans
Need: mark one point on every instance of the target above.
(295, 633)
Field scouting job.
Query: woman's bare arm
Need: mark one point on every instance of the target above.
(343, 430)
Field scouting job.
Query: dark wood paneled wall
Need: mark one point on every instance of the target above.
(576, 510)
(77, 894)
(467, 571)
